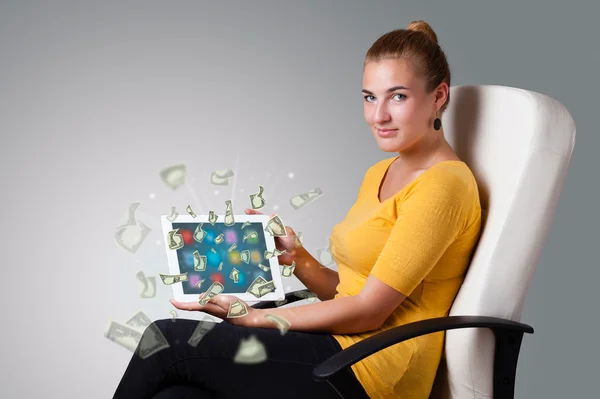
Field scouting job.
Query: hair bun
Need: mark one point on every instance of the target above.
(422, 26)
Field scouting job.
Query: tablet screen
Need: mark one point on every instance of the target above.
(235, 248)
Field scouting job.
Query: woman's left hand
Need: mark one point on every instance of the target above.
(218, 306)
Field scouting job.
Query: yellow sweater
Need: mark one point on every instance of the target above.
(419, 242)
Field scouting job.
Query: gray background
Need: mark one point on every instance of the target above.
(97, 97)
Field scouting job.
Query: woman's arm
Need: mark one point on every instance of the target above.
(344, 315)
(317, 278)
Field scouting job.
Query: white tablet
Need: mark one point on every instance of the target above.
(240, 256)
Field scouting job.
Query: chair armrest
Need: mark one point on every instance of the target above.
(290, 297)
(508, 341)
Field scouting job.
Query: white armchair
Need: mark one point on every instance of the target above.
(518, 143)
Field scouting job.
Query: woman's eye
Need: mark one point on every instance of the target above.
(397, 94)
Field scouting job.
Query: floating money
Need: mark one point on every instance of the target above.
(221, 177)
(189, 210)
(202, 328)
(245, 256)
(199, 234)
(229, 221)
(174, 314)
(212, 218)
(126, 336)
(275, 227)
(213, 251)
(169, 279)
(237, 309)
(199, 284)
(174, 239)
(133, 233)
(306, 295)
(281, 303)
(300, 200)
(254, 234)
(220, 266)
(253, 289)
(152, 341)
(251, 351)
(257, 200)
(199, 261)
(173, 215)
(173, 176)
(288, 270)
(220, 238)
(324, 256)
(232, 247)
(282, 324)
(235, 275)
(297, 241)
(263, 268)
(139, 320)
(147, 286)
(215, 289)
(265, 288)
(246, 223)
(269, 254)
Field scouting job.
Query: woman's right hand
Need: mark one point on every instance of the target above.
(287, 243)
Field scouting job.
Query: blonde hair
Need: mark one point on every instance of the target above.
(418, 44)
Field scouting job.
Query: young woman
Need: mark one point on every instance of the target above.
(402, 253)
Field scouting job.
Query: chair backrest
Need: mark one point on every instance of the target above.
(518, 143)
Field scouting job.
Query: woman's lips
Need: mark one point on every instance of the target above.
(386, 132)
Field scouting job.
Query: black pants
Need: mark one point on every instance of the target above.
(208, 371)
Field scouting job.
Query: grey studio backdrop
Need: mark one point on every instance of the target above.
(97, 97)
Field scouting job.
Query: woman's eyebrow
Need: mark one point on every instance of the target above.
(391, 89)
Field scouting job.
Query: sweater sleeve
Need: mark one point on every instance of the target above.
(430, 217)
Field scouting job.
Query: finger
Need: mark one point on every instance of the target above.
(252, 211)
(195, 306)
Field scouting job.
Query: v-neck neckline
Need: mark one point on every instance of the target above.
(387, 168)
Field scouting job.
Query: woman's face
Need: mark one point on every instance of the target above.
(409, 111)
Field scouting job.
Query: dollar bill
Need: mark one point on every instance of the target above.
(265, 288)
(288, 270)
(300, 200)
(254, 234)
(173, 176)
(237, 309)
(212, 218)
(253, 288)
(263, 267)
(276, 252)
(126, 336)
(256, 199)
(139, 320)
(232, 247)
(152, 341)
(175, 240)
(282, 324)
(221, 177)
(250, 351)
(190, 211)
(220, 266)
(220, 238)
(199, 234)
(174, 314)
(173, 215)
(246, 223)
(234, 275)
(312, 297)
(324, 256)
(229, 220)
(132, 234)
(215, 289)
(169, 279)
(245, 256)
(203, 327)
(199, 261)
(275, 227)
(146, 286)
